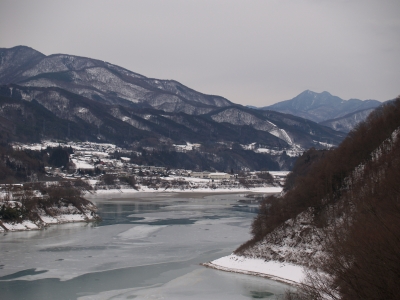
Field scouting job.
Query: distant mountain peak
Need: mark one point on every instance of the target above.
(320, 107)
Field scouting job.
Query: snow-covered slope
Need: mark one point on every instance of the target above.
(338, 220)
(57, 214)
(348, 122)
(101, 81)
(195, 123)
(239, 117)
(15, 61)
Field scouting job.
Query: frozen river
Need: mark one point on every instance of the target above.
(147, 247)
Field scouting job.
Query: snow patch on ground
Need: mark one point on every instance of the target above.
(81, 164)
(275, 270)
(62, 215)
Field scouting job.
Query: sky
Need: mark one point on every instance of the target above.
(250, 52)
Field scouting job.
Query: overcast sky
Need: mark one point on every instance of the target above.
(251, 52)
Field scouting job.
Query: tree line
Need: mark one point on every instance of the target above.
(21, 165)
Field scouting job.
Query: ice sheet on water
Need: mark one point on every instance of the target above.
(200, 284)
(117, 248)
(140, 232)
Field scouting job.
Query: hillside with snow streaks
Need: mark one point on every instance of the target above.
(99, 80)
(50, 216)
(238, 117)
(338, 218)
(68, 97)
(349, 121)
(116, 112)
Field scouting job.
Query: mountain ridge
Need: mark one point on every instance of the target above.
(348, 122)
(107, 103)
(320, 107)
(99, 80)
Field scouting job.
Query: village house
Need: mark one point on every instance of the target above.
(200, 175)
(219, 176)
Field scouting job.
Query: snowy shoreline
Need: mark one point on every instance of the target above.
(274, 270)
(74, 216)
(46, 221)
(260, 190)
(278, 271)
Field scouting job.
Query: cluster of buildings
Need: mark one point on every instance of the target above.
(90, 160)
(210, 175)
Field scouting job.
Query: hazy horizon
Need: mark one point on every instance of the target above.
(252, 53)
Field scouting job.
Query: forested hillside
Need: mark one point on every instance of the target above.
(18, 165)
(340, 215)
(69, 98)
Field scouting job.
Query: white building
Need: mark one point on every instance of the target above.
(200, 174)
(220, 176)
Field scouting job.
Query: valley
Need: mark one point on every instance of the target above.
(147, 165)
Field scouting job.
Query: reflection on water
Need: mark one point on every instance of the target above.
(147, 248)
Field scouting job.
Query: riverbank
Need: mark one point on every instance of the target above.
(59, 215)
(278, 271)
(195, 193)
(143, 249)
(71, 214)
(274, 270)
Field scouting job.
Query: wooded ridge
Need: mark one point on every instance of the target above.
(340, 215)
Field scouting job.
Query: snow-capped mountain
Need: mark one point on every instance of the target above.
(320, 107)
